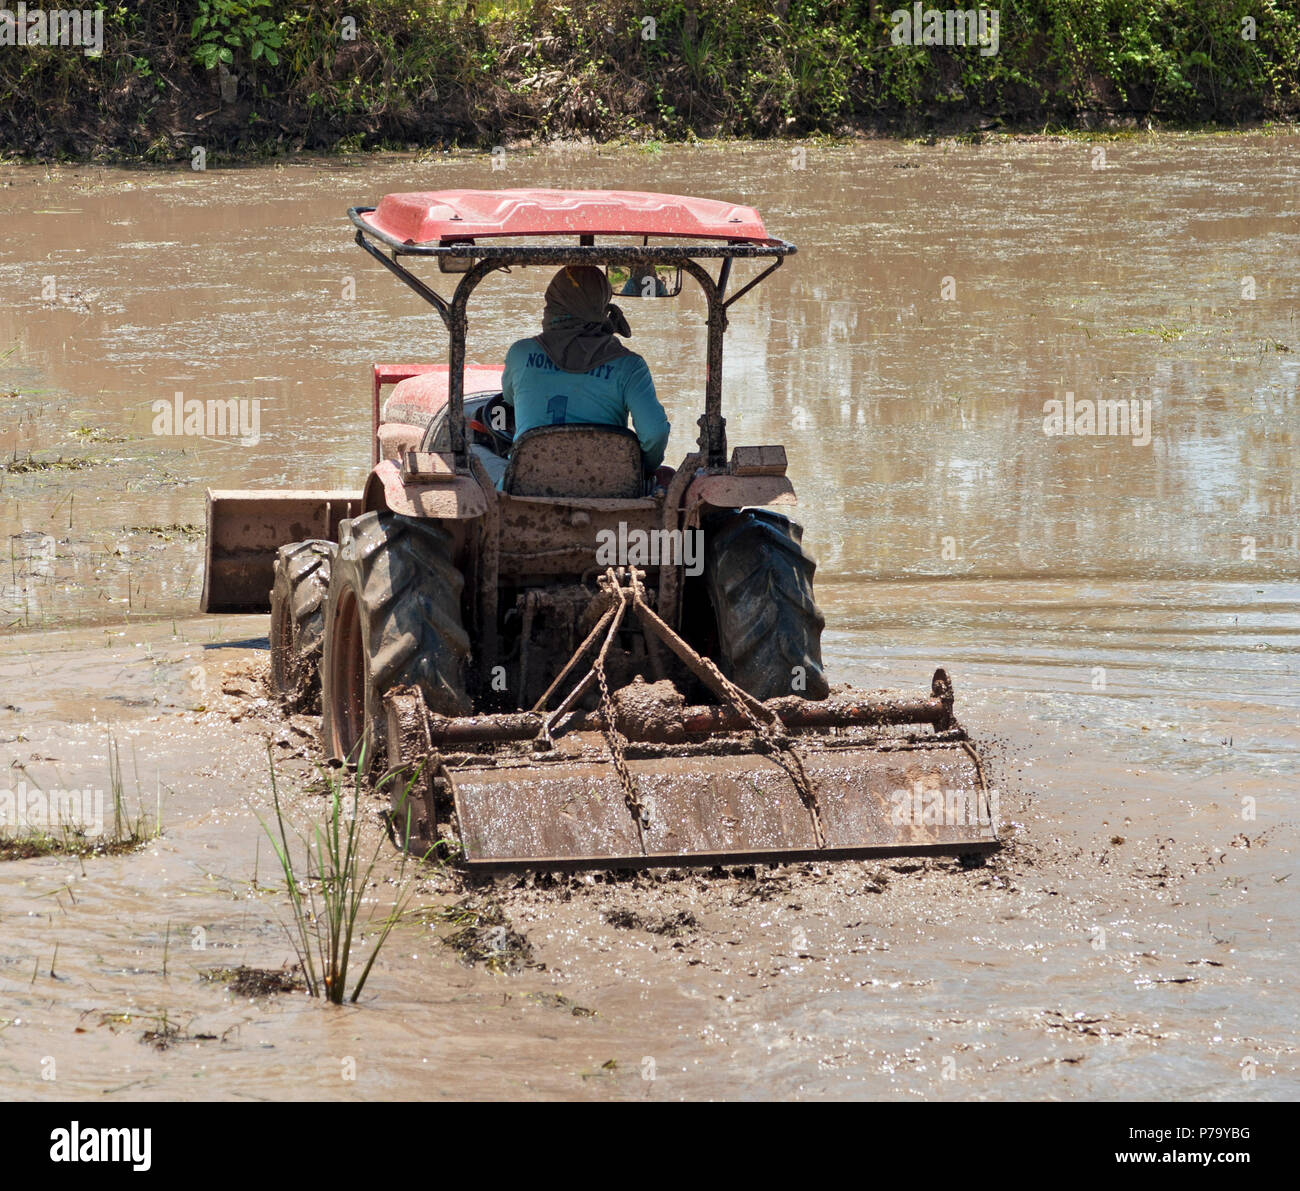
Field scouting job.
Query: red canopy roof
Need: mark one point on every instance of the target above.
(431, 215)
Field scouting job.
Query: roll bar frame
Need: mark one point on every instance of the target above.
(488, 258)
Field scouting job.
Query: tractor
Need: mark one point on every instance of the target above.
(578, 664)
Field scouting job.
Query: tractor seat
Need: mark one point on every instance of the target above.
(577, 459)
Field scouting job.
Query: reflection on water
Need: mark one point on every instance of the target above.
(939, 300)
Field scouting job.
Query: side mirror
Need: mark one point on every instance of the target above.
(645, 281)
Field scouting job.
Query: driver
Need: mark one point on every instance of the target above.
(576, 371)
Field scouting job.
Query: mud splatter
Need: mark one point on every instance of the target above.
(481, 933)
(256, 982)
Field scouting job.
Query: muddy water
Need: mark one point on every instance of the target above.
(1119, 615)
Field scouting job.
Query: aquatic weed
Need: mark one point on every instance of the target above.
(326, 905)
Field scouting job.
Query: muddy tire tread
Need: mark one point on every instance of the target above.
(409, 591)
(759, 580)
(302, 576)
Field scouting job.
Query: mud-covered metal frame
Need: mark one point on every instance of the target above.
(488, 258)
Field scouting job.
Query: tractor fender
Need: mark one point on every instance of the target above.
(452, 498)
(735, 492)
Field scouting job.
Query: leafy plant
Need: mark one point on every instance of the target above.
(439, 72)
(226, 27)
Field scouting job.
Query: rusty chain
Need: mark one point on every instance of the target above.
(614, 739)
(772, 733)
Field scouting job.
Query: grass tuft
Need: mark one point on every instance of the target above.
(74, 839)
(326, 901)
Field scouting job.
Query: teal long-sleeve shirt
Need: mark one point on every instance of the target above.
(544, 395)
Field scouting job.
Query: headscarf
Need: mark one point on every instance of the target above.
(579, 321)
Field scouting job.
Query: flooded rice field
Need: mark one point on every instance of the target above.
(1119, 611)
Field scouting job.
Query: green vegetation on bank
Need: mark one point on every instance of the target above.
(259, 76)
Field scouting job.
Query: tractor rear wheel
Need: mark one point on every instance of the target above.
(392, 618)
(759, 581)
(302, 579)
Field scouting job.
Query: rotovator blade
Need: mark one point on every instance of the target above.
(647, 781)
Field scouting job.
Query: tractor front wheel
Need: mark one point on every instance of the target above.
(302, 579)
(392, 618)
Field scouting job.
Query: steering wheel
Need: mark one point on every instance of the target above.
(490, 417)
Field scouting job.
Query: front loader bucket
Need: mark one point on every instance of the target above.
(247, 527)
(720, 799)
